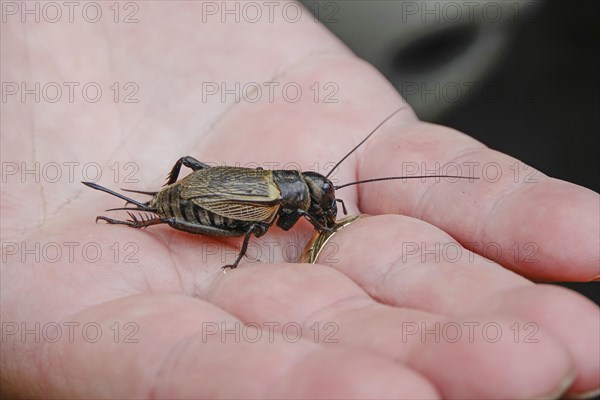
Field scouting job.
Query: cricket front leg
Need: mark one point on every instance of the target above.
(318, 226)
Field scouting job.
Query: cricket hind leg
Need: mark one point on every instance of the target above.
(189, 162)
(141, 222)
(137, 222)
(258, 230)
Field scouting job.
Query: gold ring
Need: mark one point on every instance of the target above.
(319, 240)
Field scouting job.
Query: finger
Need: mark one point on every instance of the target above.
(329, 306)
(416, 265)
(511, 206)
(173, 352)
(571, 318)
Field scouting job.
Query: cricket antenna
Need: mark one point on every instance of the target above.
(127, 199)
(403, 177)
(364, 140)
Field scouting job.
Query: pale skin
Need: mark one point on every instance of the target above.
(371, 288)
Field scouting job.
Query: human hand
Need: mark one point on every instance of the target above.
(157, 295)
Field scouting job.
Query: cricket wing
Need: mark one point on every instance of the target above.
(239, 193)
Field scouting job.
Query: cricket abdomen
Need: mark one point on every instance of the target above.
(169, 203)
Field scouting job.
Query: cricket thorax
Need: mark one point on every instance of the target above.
(294, 190)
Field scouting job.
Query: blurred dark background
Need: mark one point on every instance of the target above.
(535, 96)
(554, 124)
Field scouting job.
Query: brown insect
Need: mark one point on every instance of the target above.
(235, 201)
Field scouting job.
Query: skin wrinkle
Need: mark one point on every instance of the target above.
(330, 312)
(286, 371)
(361, 152)
(164, 239)
(300, 62)
(175, 352)
(406, 118)
(194, 288)
(160, 241)
(47, 370)
(112, 72)
(508, 315)
(108, 158)
(494, 300)
(43, 218)
(328, 308)
(148, 284)
(213, 291)
(395, 268)
(415, 347)
(177, 270)
(427, 190)
(77, 316)
(391, 269)
(482, 230)
(297, 64)
(310, 56)
(367, 149)
(424, 195)
(489, 209)
(233, 244)
(118, 148)
(39, 363)
(178, 350)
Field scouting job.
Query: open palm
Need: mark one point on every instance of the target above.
(418, 300)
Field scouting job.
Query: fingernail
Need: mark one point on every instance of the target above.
(587, 395)
(562, 387)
